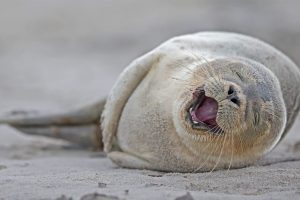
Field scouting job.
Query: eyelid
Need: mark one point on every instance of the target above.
(240, 76)
(256, 118)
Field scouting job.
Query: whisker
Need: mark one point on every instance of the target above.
(232, 145)
(211, 73)
(189, 71)
(199, 61)
(200, 167)
(186, 82)
(215, 166)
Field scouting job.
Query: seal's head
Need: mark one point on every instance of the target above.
(232, 114)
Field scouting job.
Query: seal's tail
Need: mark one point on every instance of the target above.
(81, 126)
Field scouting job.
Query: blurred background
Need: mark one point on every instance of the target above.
(61, 54)
(56, 55)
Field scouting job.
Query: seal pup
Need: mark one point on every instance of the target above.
(200, 102)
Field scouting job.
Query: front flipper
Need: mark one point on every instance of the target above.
(128, 161)
(121, 92)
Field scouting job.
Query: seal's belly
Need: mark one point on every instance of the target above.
(146, 128)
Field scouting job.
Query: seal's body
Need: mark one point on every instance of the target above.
(146, 119)
(198, 102)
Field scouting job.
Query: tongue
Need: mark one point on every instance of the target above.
(207, 112)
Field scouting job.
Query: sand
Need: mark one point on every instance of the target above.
(62, 54)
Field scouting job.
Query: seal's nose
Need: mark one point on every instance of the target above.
(232, 95)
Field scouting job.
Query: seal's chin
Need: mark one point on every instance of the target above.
(203, 112)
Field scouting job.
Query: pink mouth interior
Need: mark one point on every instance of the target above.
(206, 112)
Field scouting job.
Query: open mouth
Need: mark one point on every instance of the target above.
(203, 112)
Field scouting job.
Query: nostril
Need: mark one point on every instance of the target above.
(232, 96)
(235, 101)
(231, 90)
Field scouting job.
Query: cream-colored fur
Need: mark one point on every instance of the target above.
(143, 121)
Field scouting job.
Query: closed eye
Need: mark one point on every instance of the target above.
(256, 118)
(239, 76)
